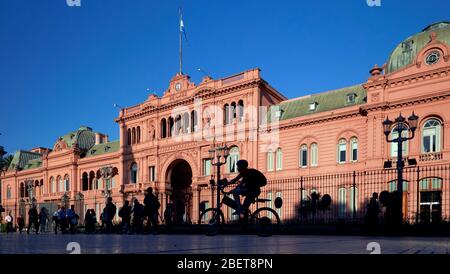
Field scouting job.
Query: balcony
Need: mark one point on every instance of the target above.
(435, 156)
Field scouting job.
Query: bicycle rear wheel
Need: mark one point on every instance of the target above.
(211, 221)
(265, 221)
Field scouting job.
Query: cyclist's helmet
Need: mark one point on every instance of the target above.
(242, 164)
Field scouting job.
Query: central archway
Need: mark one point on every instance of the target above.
(179, 175)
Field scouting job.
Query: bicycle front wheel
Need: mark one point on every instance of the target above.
(211, 221)
(266, 221)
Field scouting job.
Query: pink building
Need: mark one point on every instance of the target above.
(302, 144)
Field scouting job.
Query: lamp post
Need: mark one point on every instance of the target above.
(218, 156)
(399, 125)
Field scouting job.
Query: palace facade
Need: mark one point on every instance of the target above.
(164, 141)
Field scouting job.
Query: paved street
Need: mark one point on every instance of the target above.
(228, 244)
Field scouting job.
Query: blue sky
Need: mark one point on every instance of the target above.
(62, 67)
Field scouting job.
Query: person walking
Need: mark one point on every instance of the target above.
(72, 219)
(43, 218)
(90, 219)
(125, 214)
(20, 223)
(110, 213)
(138, 217)
(62, 216)
(9, 222)
(151, 206)
(33, 219)
(55, 218)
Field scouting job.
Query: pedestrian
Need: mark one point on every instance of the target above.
(125, 214)
(138, 217)
(9, 222)
(110, 213)
(151, 206)
(62, 216)
(43, 218)
(72, 218)
(33, 219)
(55, 218)
(20, 223)
(373, 211)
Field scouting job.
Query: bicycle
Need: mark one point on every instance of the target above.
(264, 220)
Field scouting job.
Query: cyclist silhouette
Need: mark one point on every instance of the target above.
(249, 187)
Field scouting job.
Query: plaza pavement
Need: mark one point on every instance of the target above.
(220, 244)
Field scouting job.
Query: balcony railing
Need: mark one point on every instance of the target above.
(431, 157)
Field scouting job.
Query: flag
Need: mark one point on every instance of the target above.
(182, 29)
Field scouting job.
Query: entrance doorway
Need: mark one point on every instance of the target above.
(179, 174)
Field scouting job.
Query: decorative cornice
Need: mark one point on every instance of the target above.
(203, 93)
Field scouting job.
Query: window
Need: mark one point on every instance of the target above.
(152, 173)
(233, 111)
(354, 149)
(304, 156)
(134, 173)
(394, 134)
(138, 135)
(241, 110)
(312, 106)
(66, 183)
(270, 160)
(129, 137)
(351, 98)
(133, 137)
(163, 128)
(342, 151)
(171, 124)
(342, 202)
(194, 121)
(232, 159)
(186, 121)
(393, 186)
(52, 185)
(60, 184)
(314, 154)
(430, 184)
(279, 155)
(8, 192)
(226, 114)
(207, 167)
(431, 136)
(85, 181)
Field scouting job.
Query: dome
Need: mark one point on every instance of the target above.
(405, 53)
(83, 137)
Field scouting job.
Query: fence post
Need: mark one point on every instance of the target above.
(417, 194)
(301, 199)
(354, 195)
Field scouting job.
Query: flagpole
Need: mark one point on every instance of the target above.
(181, 46)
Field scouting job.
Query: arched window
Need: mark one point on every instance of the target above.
(232, 159)
(134, 173)
(279, 155)
(85, 181)
(133, 137)
(431, 136)
(194, 121)
(163, 128)
(353, 199)
(66, 183)
(171, 125)
(233, 111)
(91, 180)
(270, 160)
(303, 155)
(52, 186)
(314, 154)
(138, 135)
(186, 122)
(8, 192)
(129, 137)
(342, 151)
(226, 114)
(22, 190)
(354, 149)
(241, 110)
(394, 134)
(177, 124)
(60, 184)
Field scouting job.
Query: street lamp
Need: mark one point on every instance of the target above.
(399, 125)
(218, 156)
